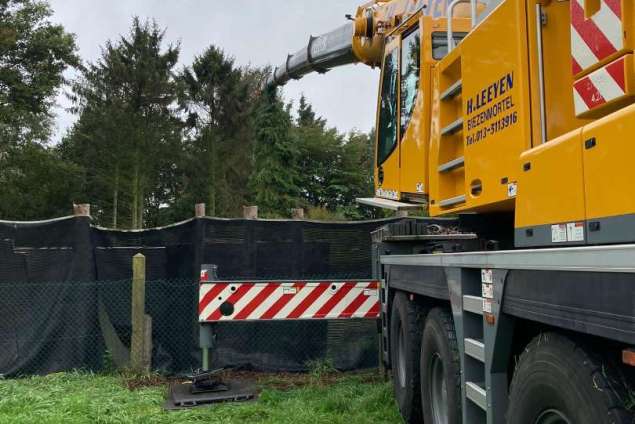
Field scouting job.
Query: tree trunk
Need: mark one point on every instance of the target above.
(211, 167)
(135, 197)
(140, 205)
(115, 199)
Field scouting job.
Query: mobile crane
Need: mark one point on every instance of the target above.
(517, 116)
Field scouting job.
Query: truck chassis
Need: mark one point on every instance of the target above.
(500, 302)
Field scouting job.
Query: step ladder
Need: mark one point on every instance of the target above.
(450, 169)
(484, 335)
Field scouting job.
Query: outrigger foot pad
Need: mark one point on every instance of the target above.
(207, 388)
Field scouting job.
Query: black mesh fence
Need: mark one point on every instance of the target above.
(65, 293)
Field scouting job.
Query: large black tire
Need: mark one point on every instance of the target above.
(555, 376)
(440, 370)
(406, 320)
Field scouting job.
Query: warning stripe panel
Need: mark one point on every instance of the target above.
(595, 38)
(600, 87)
(284, 300)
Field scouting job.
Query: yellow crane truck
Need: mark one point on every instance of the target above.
(512, 122)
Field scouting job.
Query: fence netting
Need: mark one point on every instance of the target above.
(65, 293)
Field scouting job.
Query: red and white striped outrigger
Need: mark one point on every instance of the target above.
(221, 301)
(599, 53)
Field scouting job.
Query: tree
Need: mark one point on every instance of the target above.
(129, 131)
(274, 182)
(218, 98)
(37, 184)
(335, 169)
(33, 56)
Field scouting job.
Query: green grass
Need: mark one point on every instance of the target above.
(87, 398)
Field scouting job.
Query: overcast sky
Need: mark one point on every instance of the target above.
(256, 32)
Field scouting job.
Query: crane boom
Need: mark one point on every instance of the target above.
(322, 53)
(360, 40)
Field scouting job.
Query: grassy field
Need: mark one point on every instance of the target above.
(88, 398)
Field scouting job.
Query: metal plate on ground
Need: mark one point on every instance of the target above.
(180, 395)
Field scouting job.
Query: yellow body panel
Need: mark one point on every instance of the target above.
(552, 186)
(495, 112)
(609, 167)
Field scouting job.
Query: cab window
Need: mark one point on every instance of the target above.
(440, 43)
(387, 128)
(410, 67)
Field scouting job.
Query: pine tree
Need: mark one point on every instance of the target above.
(218, 98)
(129, 131)
(274, 182)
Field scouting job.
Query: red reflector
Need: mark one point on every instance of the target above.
(204, 275)
(628, 357)
(490, 318)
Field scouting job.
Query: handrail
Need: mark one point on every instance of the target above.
(450, 16)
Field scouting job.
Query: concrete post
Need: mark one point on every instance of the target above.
(401, 214)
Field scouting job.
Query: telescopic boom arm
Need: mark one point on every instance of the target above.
(360, 40)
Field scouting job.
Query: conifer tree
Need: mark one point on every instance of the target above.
(274, 182)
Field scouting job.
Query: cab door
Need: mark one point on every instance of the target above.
(387, 154)
(413, 124)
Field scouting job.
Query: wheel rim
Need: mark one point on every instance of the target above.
(438, 390)
(401, 356)
(552, 416)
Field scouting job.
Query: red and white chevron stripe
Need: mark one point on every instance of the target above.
(596, 38)
(600, 87)
(287, 300)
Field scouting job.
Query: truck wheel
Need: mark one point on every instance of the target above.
(559, 382)
(440, 370)
(405, 341)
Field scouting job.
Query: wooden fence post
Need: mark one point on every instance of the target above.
(250, 212)
(199, 210)
(82, 209)
(141, 343)
(297, 213)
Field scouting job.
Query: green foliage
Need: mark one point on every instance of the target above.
(128, 131)
(33, 55)
(335, 169)
(319, 368)
(88, 398)
(218, 98)
(108, 363)
(304, 163)
(275, 180)
(37, 184)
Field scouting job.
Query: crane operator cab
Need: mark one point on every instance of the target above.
(404, 106)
